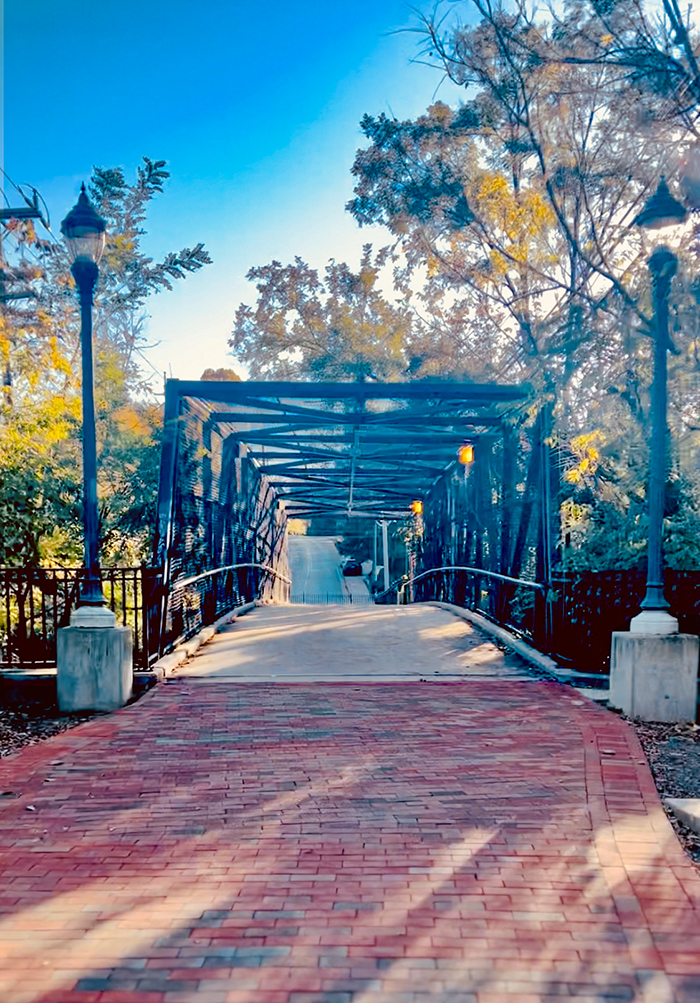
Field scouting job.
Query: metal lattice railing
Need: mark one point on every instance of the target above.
(572, 618)
(511, 602)
(36, 602)
(331, 599)
(220, 535)
(201, 599)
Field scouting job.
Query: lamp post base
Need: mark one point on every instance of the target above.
(653, 621)
(94, 668)
(93, 616)
(653, 677)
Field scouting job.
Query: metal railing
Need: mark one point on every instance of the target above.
(331, 599)
(518, 604)
(235, 567)
(194, 601)
(572, 619)
(588, 606)
(36, 602)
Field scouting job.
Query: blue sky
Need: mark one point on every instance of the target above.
(255, 107)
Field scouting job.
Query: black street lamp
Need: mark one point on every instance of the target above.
(660, 211)
(84, 231)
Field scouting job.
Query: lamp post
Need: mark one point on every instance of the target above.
(654, 668)
(660, 212)
(84, 231)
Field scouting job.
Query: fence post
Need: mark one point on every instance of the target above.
(509, 476)
(140, 587)
(539, 626)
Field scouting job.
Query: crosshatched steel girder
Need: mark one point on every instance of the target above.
(348, 448)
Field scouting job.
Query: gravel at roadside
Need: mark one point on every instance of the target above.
(673, 752)
(20, 726)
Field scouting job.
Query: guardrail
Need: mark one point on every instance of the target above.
(36, 602)
(402, 583)
(194, 601)
(571, 619)
(331, 599)
(518, 604)
(234, 567)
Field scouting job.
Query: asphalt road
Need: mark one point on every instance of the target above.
(314, 562)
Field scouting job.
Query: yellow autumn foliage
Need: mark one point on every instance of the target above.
(520, 216)
(586, 455)
(128, 419)
(367, 278)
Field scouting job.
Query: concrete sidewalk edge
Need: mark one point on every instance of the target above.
(686, 810)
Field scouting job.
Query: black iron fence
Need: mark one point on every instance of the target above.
(331, 599)
(587, 606)
(573, 620)
(36, 602)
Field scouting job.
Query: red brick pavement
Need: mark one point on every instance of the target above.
(466, 842)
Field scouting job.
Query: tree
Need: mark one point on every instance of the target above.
(227, 375)
(40, 410)
(340, 327)
(512, 214)
(653, 58)
(127, 275)
(512, 210)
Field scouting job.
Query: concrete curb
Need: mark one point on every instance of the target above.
(686, 810)
(187, 649)
(533, 657)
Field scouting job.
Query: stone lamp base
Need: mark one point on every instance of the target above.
(654, 676)
(94, 667)
(654, 621)
(93, 616)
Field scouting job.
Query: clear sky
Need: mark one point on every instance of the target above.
(255, 107)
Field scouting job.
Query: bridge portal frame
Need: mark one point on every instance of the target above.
(342, 448)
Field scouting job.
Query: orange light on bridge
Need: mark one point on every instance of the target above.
(417, 507)
(465, 454)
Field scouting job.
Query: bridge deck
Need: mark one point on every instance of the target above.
(335, 643)
(480, 840)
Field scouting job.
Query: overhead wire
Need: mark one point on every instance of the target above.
(23, 249)
(145, 358)
(18, 188)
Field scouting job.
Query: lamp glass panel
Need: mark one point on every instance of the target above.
(85, 244)
(663, 223)
(666, 233)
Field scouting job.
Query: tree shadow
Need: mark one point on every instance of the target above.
(464, 842)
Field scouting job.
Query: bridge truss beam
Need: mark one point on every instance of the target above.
(239, 458)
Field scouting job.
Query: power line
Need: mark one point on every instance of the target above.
(147, 360)
(30, 210)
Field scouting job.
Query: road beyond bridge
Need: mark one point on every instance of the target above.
(228, 839)
(315, 568)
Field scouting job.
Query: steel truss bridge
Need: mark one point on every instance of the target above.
(241, 458)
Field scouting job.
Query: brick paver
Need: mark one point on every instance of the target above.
(480, 841)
